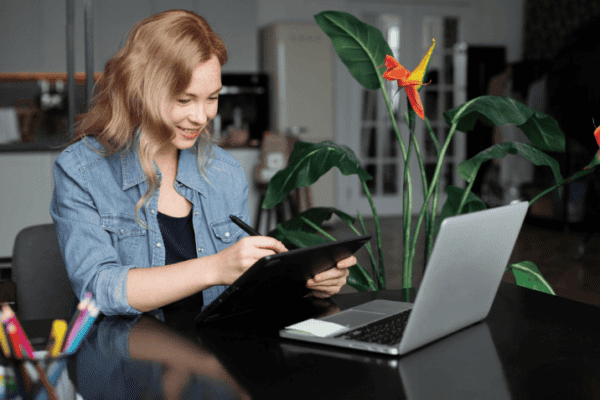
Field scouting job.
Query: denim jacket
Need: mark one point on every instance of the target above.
(93, 208)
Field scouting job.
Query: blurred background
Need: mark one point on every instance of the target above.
(283, 83)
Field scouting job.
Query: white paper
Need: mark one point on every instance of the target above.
(316, 327)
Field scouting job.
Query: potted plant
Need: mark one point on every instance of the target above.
(364, 51)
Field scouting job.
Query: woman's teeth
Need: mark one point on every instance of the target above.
(189, 132)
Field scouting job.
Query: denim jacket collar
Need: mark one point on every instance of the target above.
(187, 172)
(133, 173)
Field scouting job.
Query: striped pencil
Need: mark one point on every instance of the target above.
(76, 320)
(4, 341)
(16, 333)
(90, 317)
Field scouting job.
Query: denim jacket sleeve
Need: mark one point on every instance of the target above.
(91, 260)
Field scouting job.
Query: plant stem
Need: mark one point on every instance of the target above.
(407, 222)
(328, 236)
(430, 224)
(375, 272)
(380, 276)
(406, 267)
(428, 216)
(436, 178)
(579, 174)
(438, 168)
(463, 200)
(544, 193)
(317, 228)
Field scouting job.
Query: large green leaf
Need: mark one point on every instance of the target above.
(529, 276)
(360, 46)
(541, 129)
(296, 237)
(307, 163)
(357, 280)
(358, 277)
(450, 208)
(468, 169)
(316, 215)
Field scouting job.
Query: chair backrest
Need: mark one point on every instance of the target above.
(43, 288)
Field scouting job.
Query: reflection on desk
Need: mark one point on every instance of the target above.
(531, 345)
(142, 358)
(463, 366)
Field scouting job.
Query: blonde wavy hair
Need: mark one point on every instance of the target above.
(154, 66)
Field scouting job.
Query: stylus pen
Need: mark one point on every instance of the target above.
(247, 228)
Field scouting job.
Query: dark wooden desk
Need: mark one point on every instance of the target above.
(531, 346)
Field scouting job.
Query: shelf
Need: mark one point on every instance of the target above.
(19, 147)
(48, 76)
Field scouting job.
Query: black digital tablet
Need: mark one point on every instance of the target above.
(279, 277)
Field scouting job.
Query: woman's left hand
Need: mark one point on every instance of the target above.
(330, 282)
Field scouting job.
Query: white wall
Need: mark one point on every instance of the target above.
(272, 11)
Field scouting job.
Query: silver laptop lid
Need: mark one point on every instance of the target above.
(463, 274)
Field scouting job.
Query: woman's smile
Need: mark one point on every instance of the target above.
(189, 133)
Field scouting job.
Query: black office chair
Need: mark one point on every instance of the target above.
(42, 286)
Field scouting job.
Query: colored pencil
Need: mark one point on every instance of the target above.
(76, 320)
(4, 341)
(57, 337)
(85, 326)
(15, 333)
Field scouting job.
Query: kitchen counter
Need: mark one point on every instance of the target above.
(19, 147)
(38, 146)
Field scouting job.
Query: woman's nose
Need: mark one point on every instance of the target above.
(198, 114)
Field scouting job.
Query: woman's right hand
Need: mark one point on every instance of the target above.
(236, 259)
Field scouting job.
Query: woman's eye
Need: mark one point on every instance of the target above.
(183, 101)
(215, 98)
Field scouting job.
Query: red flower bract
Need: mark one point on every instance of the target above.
(410, 81)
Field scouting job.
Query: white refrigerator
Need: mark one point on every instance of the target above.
(299, 60)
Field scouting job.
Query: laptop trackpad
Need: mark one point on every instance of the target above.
(353, 318)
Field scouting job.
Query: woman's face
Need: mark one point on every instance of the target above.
(191, 111)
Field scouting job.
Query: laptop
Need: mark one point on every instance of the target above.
(458, 287)
(278, 278)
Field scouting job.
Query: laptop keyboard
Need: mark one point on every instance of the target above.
(387, 331)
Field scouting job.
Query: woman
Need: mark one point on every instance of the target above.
(144, 186)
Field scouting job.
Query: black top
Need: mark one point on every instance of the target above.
(180, 245)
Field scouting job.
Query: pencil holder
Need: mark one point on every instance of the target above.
(63, 339)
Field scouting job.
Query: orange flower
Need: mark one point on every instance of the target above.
(597, 136)
(410, 81)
